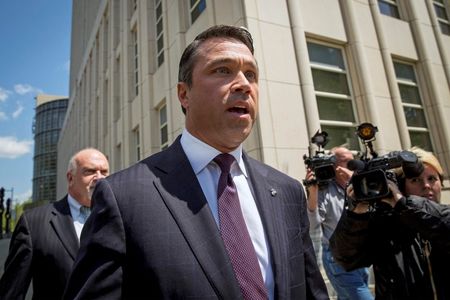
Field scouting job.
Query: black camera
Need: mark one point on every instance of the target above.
(371, 174)
(370, 178)
(323, 165)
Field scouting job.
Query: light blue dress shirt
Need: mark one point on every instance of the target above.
(78, 218)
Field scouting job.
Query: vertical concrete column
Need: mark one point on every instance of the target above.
(304, 71)
(438, 35)
(356, 45)
(441, 128)
(390, 75)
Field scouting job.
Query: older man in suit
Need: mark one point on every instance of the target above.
(202, 220)
(45, 241)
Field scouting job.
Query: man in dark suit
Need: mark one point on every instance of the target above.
(45, 241)
(158, 228)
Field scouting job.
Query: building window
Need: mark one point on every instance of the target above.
(442, 16)
(159, 33)
(137, 145)
(135, 63)
(196, 7)
(333, 96)
(389, 8)
(412, 106)
(163, 130)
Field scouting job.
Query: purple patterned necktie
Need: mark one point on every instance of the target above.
(235, 234)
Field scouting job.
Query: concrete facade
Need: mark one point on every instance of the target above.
(391, 71)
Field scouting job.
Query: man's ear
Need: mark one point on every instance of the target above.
(183, 94)
(69, 176)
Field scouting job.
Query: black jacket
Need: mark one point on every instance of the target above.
(42, 249)
(395, 242)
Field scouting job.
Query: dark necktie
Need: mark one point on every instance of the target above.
(235, 234)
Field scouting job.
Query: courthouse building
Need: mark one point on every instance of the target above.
(324, 64)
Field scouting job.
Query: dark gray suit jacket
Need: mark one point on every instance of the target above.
(152, 235)
(43, 248)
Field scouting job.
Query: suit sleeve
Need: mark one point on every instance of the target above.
(97, 271)
(316, 288)
(18, 266)
(430, 219)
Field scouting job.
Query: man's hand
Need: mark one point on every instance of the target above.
(313, 190)
(360, 207)
(396, 194)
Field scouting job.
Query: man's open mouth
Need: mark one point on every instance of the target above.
(239, 110)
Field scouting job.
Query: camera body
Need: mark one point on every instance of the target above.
(370, 178)
(323, 167)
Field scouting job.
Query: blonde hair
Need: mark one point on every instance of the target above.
(428, 158)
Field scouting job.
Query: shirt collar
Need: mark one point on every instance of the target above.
(201, 154)
(74, 206)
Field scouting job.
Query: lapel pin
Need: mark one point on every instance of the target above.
(273, 192)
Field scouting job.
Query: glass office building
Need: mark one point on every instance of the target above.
(49, 118)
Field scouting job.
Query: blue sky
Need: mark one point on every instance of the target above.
(34, 58)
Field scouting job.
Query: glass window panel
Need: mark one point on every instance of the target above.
(404, 71)
(341, 136)
(440, 12)
(164, 135)
(194, 14)
(409, 94)
(325, 81)
(160, 43)
(197, 9)
(421, 139)
(325, 55)
(163, 115)
(160, 59)
(445, 28)
(388, 9)
(335, 109)
(415, 117)
(159, 10)
(159, 26)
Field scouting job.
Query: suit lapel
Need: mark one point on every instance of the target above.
(62, 223)
(184, 197)
(268, 197)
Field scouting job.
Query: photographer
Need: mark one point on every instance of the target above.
(406, 239)
(325, 205)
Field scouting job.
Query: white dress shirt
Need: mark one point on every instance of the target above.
(78, 219)
(200, 156)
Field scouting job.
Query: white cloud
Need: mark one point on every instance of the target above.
(23, 89)
(12, 148)
(3, 116)
(18, 111)
(4, 94)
